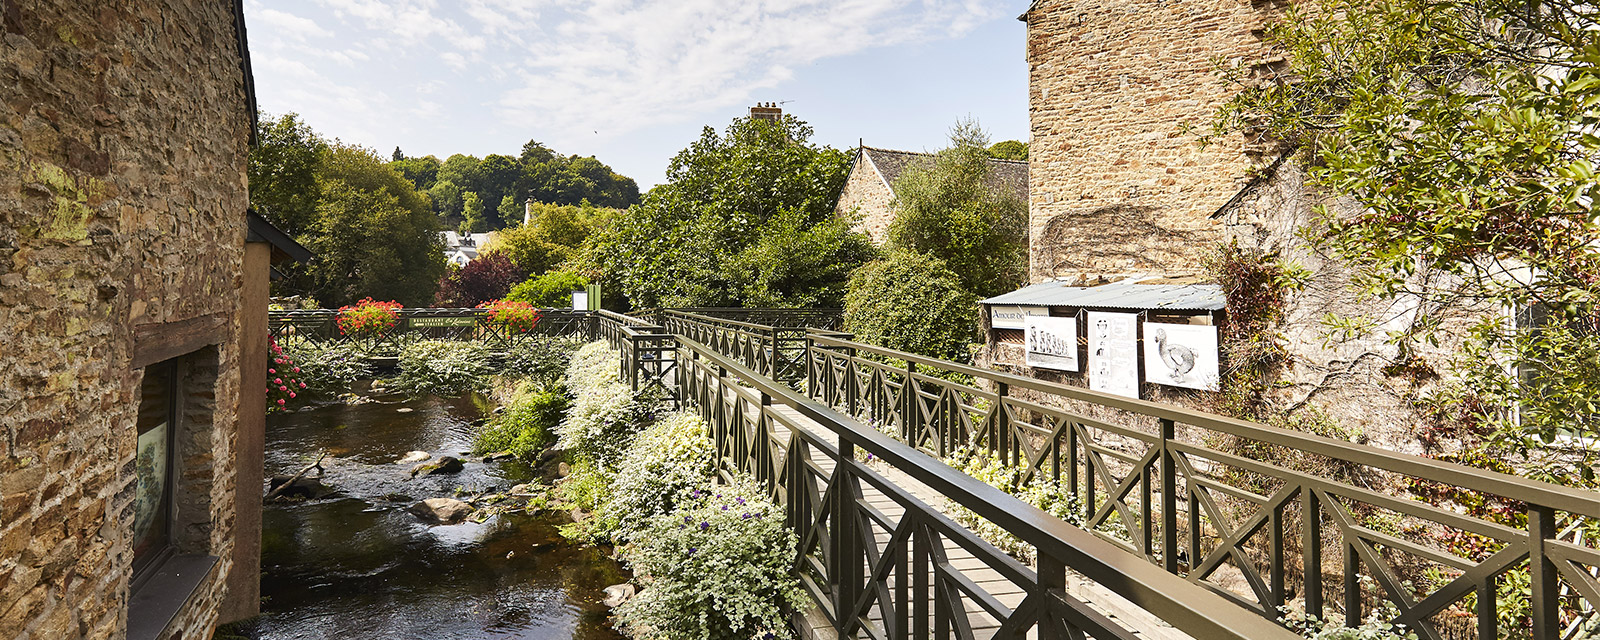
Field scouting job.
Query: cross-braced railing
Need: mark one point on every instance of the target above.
(882, 563)
(1224, 503)
(321, 326)
(777, 352)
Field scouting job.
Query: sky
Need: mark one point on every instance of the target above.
(632, 82)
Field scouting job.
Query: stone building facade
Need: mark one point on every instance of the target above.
(869, 190)
(1119, 183)
(124, 129)
(1121, 187)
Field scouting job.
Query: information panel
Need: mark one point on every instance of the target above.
(1181, 355)
(1052, 342)
(1114, 353)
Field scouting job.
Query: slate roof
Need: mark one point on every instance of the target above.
(1003, 174)
(1123, 294)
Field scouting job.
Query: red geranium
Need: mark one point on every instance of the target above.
(515, 317)
(368, 318)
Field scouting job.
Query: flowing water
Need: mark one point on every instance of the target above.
(360, 567)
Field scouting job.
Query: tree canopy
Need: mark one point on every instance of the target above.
(685, 244)
(1009, 150)
(503, 183)
(948, 208)
(912, 302)
(373, 233)
(1465, 132)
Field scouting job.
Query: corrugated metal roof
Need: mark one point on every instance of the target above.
(1125, 294)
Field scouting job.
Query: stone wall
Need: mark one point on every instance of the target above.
(866, 196)
(1118, 186)
(123, 133)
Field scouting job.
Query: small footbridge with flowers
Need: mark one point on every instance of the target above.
(1102, 516)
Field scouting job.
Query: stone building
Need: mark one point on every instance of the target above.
(1121, 191)
(132, 320)
(869, 189)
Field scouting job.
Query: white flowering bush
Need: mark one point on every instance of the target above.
(1375, 627)
(1048, 495)
(542, 360)
(716, 568)
(662, 466)
(443, 368)
(606, 414)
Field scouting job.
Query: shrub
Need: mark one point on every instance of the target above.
(368, 318)
(663, 465)
(553, 289)
(717, 568)
(525, 428)
(1046, 494)
(443, 368)
(541, 360)
(326, 369)
(511, 316)
(584, 488)
(486, 278)
(912, 302)
(606, 414)
(1373, 628)
(283, 384)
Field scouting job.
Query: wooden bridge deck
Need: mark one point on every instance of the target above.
(978, 571)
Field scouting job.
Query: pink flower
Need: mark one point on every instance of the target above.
(272, 370)
(277, 381)
(283, 388)
(302, 385)
(281, 401)
(297, 369)
(291, 394)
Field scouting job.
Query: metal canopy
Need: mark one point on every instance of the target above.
(1124, 294)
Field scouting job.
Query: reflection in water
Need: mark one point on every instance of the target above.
(360, 567)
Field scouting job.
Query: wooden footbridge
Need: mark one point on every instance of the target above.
(1190, 524)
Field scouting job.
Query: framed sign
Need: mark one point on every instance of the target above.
(1181, 355)
(1052, 342)
(1114, 353)
(1005, 316)
(423, 322)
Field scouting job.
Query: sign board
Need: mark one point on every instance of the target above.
(1181, 355)
(424, 322)
(1114, 353)
(580, 300)
(1006, 316)
(1052, 342)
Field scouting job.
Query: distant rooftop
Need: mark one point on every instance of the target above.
(1003, 174)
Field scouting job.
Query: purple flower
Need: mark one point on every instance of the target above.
(704, 526)
(724, 507)
(741, 500)
(745, 516)
(691, 550)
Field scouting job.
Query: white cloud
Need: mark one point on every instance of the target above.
(607, 66)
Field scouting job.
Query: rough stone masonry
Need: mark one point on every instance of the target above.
(123, 136)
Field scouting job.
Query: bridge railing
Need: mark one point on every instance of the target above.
(648, 351)
(777, 352)
(880, 574)
(321, 326)
(1209, 498)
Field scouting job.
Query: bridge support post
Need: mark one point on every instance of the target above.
(1052, 577)
(1169, 499)
(846, 569)
(1546, 587)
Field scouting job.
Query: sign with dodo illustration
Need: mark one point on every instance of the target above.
(1181, 355)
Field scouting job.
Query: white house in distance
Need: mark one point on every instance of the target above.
(460, 249)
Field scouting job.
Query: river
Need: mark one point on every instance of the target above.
(359, 566)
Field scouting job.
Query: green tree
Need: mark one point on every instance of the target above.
(947, 208)
(1009, 150)
(398, 155)
(422, 172)
(912, 302)
(472, 217)
(792, 265)
(553, 289)
(283, 172)
(371, 230)
(720, 194)
(1465, 134)
(446, 196)
(509, 211)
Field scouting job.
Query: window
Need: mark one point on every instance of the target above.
(152, 520)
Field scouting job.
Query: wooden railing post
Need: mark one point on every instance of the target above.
(846, 565)
(911, 415)
(1052, 577)
(1169, 499)
(1000, 438)
(1545, 598)
(1311, 547)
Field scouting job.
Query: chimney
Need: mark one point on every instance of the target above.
(767, 111)
(527, 211)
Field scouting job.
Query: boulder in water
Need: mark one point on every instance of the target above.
(444, 465)
(441, 510)
(617, 594)
(496, 457)
(405, 410)
(414, 456)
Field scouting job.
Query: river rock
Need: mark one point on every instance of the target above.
(563, 469)
(404, 410)
(617, 594)
(444, 465)
(414, 456)
(441, 510)
(495, 457)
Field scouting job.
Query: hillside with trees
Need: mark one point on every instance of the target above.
(477, 195)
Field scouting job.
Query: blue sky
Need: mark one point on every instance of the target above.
(632, 82)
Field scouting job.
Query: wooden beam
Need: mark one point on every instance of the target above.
(157, 342)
